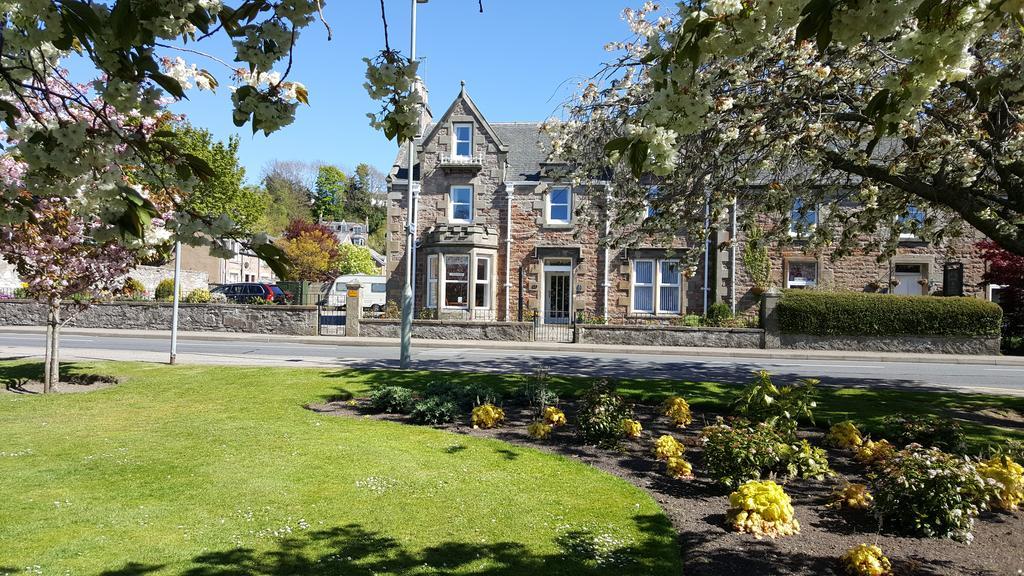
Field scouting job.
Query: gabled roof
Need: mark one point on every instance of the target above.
(464, 97)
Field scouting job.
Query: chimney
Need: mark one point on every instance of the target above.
(426, 117)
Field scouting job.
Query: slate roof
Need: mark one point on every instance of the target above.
(528, 148)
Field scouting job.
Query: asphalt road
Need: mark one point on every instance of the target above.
(960, 377)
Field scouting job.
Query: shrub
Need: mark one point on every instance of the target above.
(852, 496)
(735, 455)
(393, 399)
(872, 452)
(631, 428)
(763, 401)
(927, 492)
(678, 468)
(198, 296)
(805, 461)
(838, 313)
(601, 414)
(554, 417)
(164, 290)
(1004, 482)
(464, 395)
(762, 508)
(866, 560)
(538, 393)
(844, 435)
(133, 287)
(926, 430)
(435, 410)
(678, 410)
(218, 297)
(666, 447)
(391, 310)
(487, 416)
(691, 320)
(719, 314)
(538, 430)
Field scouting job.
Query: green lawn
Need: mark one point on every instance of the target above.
(218, 471)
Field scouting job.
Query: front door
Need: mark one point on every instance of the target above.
(557, 291)
(909, 277)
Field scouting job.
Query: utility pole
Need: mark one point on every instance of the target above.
(410, 224)
(174, 307)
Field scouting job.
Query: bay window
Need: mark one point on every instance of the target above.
(482, 283)
(456, 280)
(432, 281)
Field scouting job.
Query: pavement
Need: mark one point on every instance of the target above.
(937, 372)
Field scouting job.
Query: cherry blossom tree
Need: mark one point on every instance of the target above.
(898, 114)
(57, 254)
(1007, 270)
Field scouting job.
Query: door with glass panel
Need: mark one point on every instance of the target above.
(557, 291)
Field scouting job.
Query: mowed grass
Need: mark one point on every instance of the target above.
(220, 470)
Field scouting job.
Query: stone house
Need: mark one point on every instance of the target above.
(497, 238)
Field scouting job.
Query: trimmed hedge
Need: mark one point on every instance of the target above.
(852, 313)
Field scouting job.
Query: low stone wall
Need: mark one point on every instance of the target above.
(670, 336)
(913, 344)
(450, 330)
(291, 320)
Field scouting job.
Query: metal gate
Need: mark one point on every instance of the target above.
(331, 314)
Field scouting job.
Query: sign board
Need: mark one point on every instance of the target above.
(354, 293)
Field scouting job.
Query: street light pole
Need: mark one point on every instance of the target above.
(410, 224)
(174, 309)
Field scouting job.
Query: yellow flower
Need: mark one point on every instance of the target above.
(667, 447)
(554, 417)
(853, 496)
(762, 508)
(844, 435)
(538, 430)
(678, 410)
(874, 452)
(487, 416)
(632, 428)
(866, 560)
(678, 468)
(1005, 481)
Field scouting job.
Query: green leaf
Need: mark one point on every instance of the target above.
(618, 144)
(274, 257)
(124, 23)
(302, 95)
(199, 167)
(169, 84)
(84, 14)
(638, 157)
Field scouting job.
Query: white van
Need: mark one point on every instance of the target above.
(374, 291)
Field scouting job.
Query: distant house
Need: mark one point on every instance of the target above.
(356, 233)
(497, 232)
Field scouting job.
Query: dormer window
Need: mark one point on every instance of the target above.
(560, 205)
(461, 204)
(463, 140)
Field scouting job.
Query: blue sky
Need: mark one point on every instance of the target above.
(520, 59)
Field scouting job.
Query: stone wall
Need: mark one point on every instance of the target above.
(910, 344)
(290, 320)
(450, 330)
(150, 276)
(671, 336)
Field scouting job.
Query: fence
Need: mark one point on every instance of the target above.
(331, 314)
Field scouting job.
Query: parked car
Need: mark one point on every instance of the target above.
(374, 291)
(248, 292)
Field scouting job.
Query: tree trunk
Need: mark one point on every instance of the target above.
(51, 362)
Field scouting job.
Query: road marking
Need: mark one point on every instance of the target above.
(1004, 369)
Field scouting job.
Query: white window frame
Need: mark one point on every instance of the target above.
(484, 284)
(431, 299)
(568, 205)
(649, 210)
(633, 285)
(467, 281)
(452, 203)
(803, 283)
(900, 222)
(793, 232)
(662, 284)
(456, 141)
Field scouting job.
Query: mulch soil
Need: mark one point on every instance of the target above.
(69, 384)
(697, 507)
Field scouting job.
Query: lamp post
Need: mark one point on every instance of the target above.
(174, 306)
(405, 360)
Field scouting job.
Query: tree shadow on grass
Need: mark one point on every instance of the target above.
(14, 377)
(353, 550)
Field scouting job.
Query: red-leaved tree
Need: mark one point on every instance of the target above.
(1007, 270)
